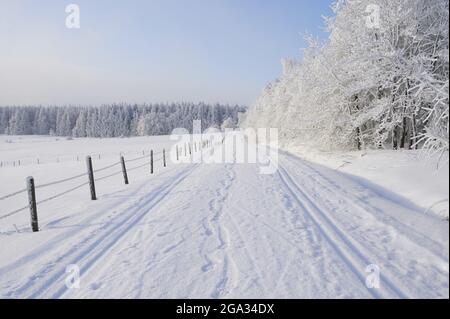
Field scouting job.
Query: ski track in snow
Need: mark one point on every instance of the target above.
(347, 250)
(223, 231)
(88, 252)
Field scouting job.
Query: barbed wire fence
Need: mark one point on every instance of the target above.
(47, 159)
(150, 159)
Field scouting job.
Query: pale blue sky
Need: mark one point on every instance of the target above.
(150, 51)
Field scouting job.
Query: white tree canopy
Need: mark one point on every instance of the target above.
(380, 80)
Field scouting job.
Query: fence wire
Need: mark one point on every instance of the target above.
(14, 212)
(61, 194)
(60, 181)
(106, 167)
(137, 159)
(107, 176)
(156, 157)
(142, 157)
(133, 168)
(13, 194)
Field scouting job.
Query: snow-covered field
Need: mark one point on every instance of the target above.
(222, 230)
(34, 150)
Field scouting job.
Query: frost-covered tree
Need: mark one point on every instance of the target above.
(80, 125)
(42, 122)
(112, 120)
(20, 122)
(4, 120)
(144, 126)
(228, 123)
(380, 80)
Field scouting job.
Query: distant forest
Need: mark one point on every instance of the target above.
(114, 120)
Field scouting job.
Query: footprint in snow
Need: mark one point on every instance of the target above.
(95, 286)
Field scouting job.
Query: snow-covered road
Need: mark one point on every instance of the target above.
(226, 231)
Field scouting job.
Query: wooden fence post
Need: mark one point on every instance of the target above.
(164, 157)
(91, 177)
(124, 170)
(184, 148)
(178, 157)
(32, 204)
(190, 151)
(151, 162)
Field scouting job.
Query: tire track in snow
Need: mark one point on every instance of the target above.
(347, 249)
(86, 254)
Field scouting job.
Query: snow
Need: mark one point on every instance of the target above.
(408, 175)
(223, 230)
(47, 149)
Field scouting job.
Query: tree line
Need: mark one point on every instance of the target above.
(118, 120)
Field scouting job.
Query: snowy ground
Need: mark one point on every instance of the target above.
(33, 150)
(411, 175)
(218, 231)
